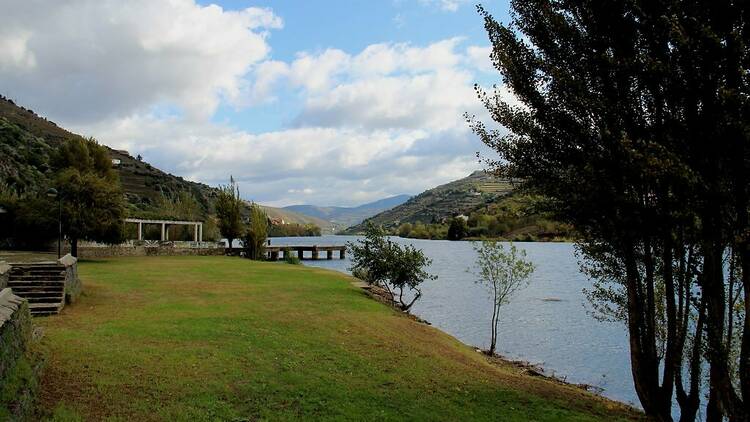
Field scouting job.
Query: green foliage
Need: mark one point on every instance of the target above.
(631, 120)
(457, 229)
(28, 222)
(211, 231)
(24, 159)
(503, 272)
(293, 230)
(391, 266)
(92, 201)
(229, 207)
(515, 217)
(256, 233)
(291, 259)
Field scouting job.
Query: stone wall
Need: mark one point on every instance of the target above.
(19, 371)
(115, 251)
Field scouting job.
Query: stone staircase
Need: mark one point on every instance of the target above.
(41, 283)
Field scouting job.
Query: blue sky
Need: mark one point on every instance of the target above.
(324, 102)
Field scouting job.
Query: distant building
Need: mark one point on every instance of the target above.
(463, 217)
(277, 221)
(116, 162)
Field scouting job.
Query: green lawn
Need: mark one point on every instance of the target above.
(220, 338)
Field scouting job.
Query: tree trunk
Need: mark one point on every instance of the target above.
(74, 247)
(644, 366)
(713, 414)
(493, 339)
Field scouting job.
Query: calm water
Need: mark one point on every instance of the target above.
(558, 334)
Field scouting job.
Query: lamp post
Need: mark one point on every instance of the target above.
(52, 193)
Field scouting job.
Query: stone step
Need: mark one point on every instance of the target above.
(37, 274)
(38, 267)
(36, 278)
(44, 299)
(44, 309)
(36, 291)
(29, 294)
(31, 289)
(35, 283)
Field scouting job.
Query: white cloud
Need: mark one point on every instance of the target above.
(84, 60)
(480, 58)
(147, 77)
(327, 165)
(385, 86)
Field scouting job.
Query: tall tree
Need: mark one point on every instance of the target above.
(631, 117)
(256, 233)
(229, 211)
(93, 207)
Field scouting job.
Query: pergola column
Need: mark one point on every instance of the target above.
(140, 231)
(195, 234)
(200, 232)
(163, 231)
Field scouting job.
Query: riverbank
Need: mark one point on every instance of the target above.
(215, 338)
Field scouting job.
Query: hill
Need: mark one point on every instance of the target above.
(293, 217)
(27, 142)
(343, 217)
(443, 202)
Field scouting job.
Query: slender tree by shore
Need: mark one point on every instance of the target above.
(503, 273)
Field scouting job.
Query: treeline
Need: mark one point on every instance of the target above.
(516, 217)
(294, 230)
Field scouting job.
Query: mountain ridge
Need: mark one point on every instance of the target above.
(442, 202)
(345, 217)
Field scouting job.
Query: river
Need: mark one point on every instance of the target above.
(547, 323)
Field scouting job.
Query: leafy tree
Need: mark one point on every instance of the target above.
(93, 207)
(404, 230)
(397, 269)
(256, 233)
(27, 221)
(229, 211)
(631, 119)
(504, 273)
(457, 229)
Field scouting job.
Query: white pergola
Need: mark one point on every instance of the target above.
(198, 225)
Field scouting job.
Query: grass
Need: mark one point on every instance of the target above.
(220, 338)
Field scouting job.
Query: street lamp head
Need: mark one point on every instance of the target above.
(52, 193)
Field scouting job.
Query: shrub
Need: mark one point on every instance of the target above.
(389, 265)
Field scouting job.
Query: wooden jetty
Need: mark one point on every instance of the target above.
(275, 253)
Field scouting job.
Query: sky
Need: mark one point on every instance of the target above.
(320, 102)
